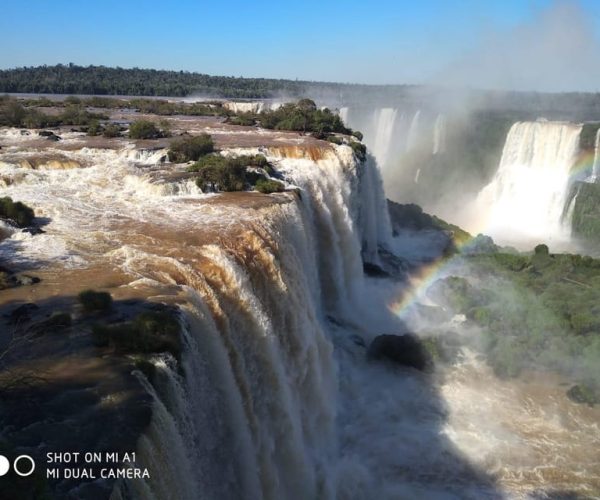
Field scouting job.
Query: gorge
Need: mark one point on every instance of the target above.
(270, 392)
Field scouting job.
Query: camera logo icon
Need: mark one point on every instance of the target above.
(23, 465)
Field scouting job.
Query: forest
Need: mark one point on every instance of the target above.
(100, 80)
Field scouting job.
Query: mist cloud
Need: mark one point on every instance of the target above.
(556, 51)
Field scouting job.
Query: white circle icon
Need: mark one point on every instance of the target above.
(25, 458)
(4, 465)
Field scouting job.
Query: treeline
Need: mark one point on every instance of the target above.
(100, 80)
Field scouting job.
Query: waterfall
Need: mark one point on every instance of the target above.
(390, 133)
(526, 197)
(344, 115)
(439, 135)
(384, 119)
(595, 177)
(413, 132)
(250, 410)
(570, 209)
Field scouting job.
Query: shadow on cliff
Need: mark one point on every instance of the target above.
(60, 393)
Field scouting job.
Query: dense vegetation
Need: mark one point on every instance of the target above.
(587, 138)
(411, 216)
(93, 301)
(585, 222)
(100, 80)
(220, 173)
(148, 332)
(145, 129)
(534, 311)
(303, 116)
(14, 114)
(16, 212)
(190, 148)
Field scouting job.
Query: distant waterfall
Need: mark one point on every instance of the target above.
(526, 198)
(384, 119)
(391, 132)
(344, 115)
(439, 135)
(413, 132)
(595, 177)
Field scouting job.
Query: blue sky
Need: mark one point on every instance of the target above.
(421, 41)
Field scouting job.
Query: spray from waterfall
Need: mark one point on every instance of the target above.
(439, 135)
(526, 198)
(595, 177)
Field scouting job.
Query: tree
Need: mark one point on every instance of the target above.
(144, 129)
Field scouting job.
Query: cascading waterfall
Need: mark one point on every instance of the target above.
(273, 397)
(413, 132)
(259, 381)
(439, 135)
(384, 119)
(526, 198)
(391, 132)
(344, 114)
(595, 177)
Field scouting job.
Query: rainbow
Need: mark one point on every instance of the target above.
(420, 281)
(424, 277)
(584, 165)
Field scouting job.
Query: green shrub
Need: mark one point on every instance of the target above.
(74, 114)
(94, 128)
(191, 148)
(17, 212)
(541, 249)
(226, 176)
(259, 161)
(360, 150)
(72, 100)
(218, 173)
(212, 161)
(357, 134)
(12, 113)
(35, 119)
(335, 139)
(243, 119)
(149, 332)
(111, 130)
(93, 301)
(583, 394)
(303, 116)
(56, 323)
(268, 186)
(144, 129)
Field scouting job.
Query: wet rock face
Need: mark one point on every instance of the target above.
(406, 350)
(60, 393)
(583, 394)
(10, 279)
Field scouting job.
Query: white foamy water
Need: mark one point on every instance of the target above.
(526, 197)
(274, 397)
(251, 107)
